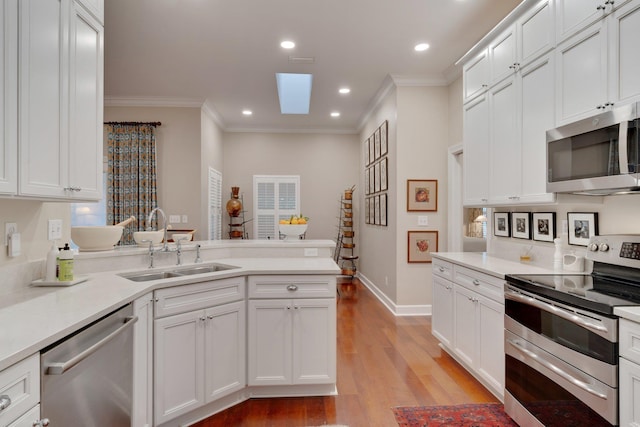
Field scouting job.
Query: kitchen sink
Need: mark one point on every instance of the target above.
(145, 276)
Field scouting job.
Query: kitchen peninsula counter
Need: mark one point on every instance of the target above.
(494, 266)
(35, 317)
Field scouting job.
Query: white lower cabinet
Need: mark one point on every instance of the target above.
(468, 320)
(20, 393)
(142, 405)
(30, 419)
(629, 373)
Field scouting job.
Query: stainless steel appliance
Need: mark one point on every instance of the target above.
(597, 155)
(87, 377)
(561, 338)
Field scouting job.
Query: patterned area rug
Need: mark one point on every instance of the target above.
(470, 415)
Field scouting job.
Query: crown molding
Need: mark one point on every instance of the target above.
(212, 113)
(417, 81)
(385, 88)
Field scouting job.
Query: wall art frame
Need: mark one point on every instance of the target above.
(582, 226)
(383, 209)
(384, 134)
(420, 244)
(543, 226)
(521, 225)
(384, 175)
(502, 224)
(422, 195)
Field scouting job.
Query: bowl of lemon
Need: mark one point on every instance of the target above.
(293, 228)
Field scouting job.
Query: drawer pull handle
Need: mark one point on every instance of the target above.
(292, 288)
(476, 282)
(441, 269)
(5, 402)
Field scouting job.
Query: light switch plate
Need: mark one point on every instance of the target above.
(54, 229)
(174, 219)
(423, 220)
(185, 219)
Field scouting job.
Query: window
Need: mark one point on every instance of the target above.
(215, 205)
(275, 197)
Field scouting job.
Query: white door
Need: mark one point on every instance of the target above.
(574, 15)
(536, 34)
(476, 152)
(465, 324)
(490, 362)
(142, 406)
(225, 355)
(269, 342)
(502, 55)
(179, 364)
(476, 75)
(442, 316)
(629, 393)
(314, 341)
(8, 97)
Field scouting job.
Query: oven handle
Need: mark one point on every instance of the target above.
(515, 296)
(59, 368)
(538, 358)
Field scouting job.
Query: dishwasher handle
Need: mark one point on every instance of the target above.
(59, 368)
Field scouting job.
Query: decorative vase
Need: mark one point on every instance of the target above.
(234, 205)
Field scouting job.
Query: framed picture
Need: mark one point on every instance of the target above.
(383, 209)
(366, 182)
(376, 143)
(520, 225)
(376, 210)
(384, 186)
(384, 148)
(582, 226)
(543, 226)
(367, 159)
(372, 145)
(422, 195)
(372, 213)
(367, 217)
(372, 181)
(420, 245)
(376, 174)
(501, 224)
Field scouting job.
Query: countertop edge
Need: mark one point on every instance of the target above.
(491, 265)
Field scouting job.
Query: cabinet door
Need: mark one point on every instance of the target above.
(537, 90)
(44, 42)
(536, 35)
(225, 355)
(442, 316)
(502, 54)
(8, 97)
(504, 166)
(574, 15)
(629, 393)
(490, 361)
(142, 406)
(178, 364)
(476, 152)
(29, 419)
(582, 74)
(86, 105)
(465, 331)
(314, 341)
(269, 342)
(476, 76)
(624, 25)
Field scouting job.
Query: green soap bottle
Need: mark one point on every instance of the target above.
(65, 263)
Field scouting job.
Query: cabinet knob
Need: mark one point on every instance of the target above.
(292, 288)
(288, 307)
(600, 7)
(441, 269)
(203, 318)
(600, 107)
(210, 317)
(476, 282)
(41, 423)
(5, 401)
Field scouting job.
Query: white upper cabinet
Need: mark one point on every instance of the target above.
(96, 7)
(8, 97)
(624, 60)
(575, 15)
(502, 55)
(476, 152)
(476, 76)
(535, 31)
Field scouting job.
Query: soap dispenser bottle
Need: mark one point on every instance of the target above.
(51, 264)
(65, 263)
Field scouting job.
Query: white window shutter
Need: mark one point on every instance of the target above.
(275, 197)
(215, 205)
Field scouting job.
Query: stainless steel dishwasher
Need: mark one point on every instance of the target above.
(86, 378)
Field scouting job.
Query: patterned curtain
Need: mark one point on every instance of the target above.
(131, 175)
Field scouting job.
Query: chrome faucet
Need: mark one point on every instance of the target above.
(179, 250)
(150, 251)
(165, 246)
(198, 259)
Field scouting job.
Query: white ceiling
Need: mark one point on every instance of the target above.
(227, 52)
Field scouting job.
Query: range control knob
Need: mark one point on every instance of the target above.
(604, 247)
(593, 247)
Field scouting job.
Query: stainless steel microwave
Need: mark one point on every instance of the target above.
(597, 155)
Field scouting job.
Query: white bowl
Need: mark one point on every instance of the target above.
(185, 237)
(96, 238)
(142, 237)
(292, 231)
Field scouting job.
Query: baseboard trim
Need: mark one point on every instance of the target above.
(395, 309)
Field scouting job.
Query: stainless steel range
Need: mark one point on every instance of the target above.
(561, 338)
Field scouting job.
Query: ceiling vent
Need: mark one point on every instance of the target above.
(302, 59)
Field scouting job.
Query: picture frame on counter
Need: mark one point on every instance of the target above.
(501, 224)
(420, 245)
(521, 225)
(543, 225)
(582, 226)
(422, 195)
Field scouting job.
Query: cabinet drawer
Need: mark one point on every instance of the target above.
(181, 299)
(292, 286)
(489, 286)
(630, 340)
(443, 269)
(21, 383)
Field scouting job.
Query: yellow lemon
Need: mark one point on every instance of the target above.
(302, 221)
(294, 221)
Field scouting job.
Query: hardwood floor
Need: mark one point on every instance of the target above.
(383, 361)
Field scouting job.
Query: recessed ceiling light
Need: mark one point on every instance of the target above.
(335, 114)
(344, 90)
(247, 112)
(287, 44)
(421, 47)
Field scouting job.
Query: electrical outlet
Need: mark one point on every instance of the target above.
(9, 227)
(185, 219)
(174, 219)
(423, 220)
(54, 229)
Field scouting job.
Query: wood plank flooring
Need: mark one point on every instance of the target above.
(383, 361)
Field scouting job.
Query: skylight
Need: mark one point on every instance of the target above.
(294, 91)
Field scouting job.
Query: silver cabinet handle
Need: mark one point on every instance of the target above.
(5, 402)
(59, 368)
(41, 423)
(441, 269)
(292, 288)
(203, 318)
(210, 317)
(476, 282)
(549, 365)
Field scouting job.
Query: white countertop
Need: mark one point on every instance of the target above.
(494, 266)
(35, 317)
(629, 313)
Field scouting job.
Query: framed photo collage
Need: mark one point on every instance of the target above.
(376, 175)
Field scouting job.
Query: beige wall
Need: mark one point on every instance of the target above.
(327, 164)
(455, 112)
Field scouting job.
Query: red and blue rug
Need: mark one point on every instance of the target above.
(468, 415)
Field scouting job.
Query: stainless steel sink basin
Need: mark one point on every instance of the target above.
(145, 276)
